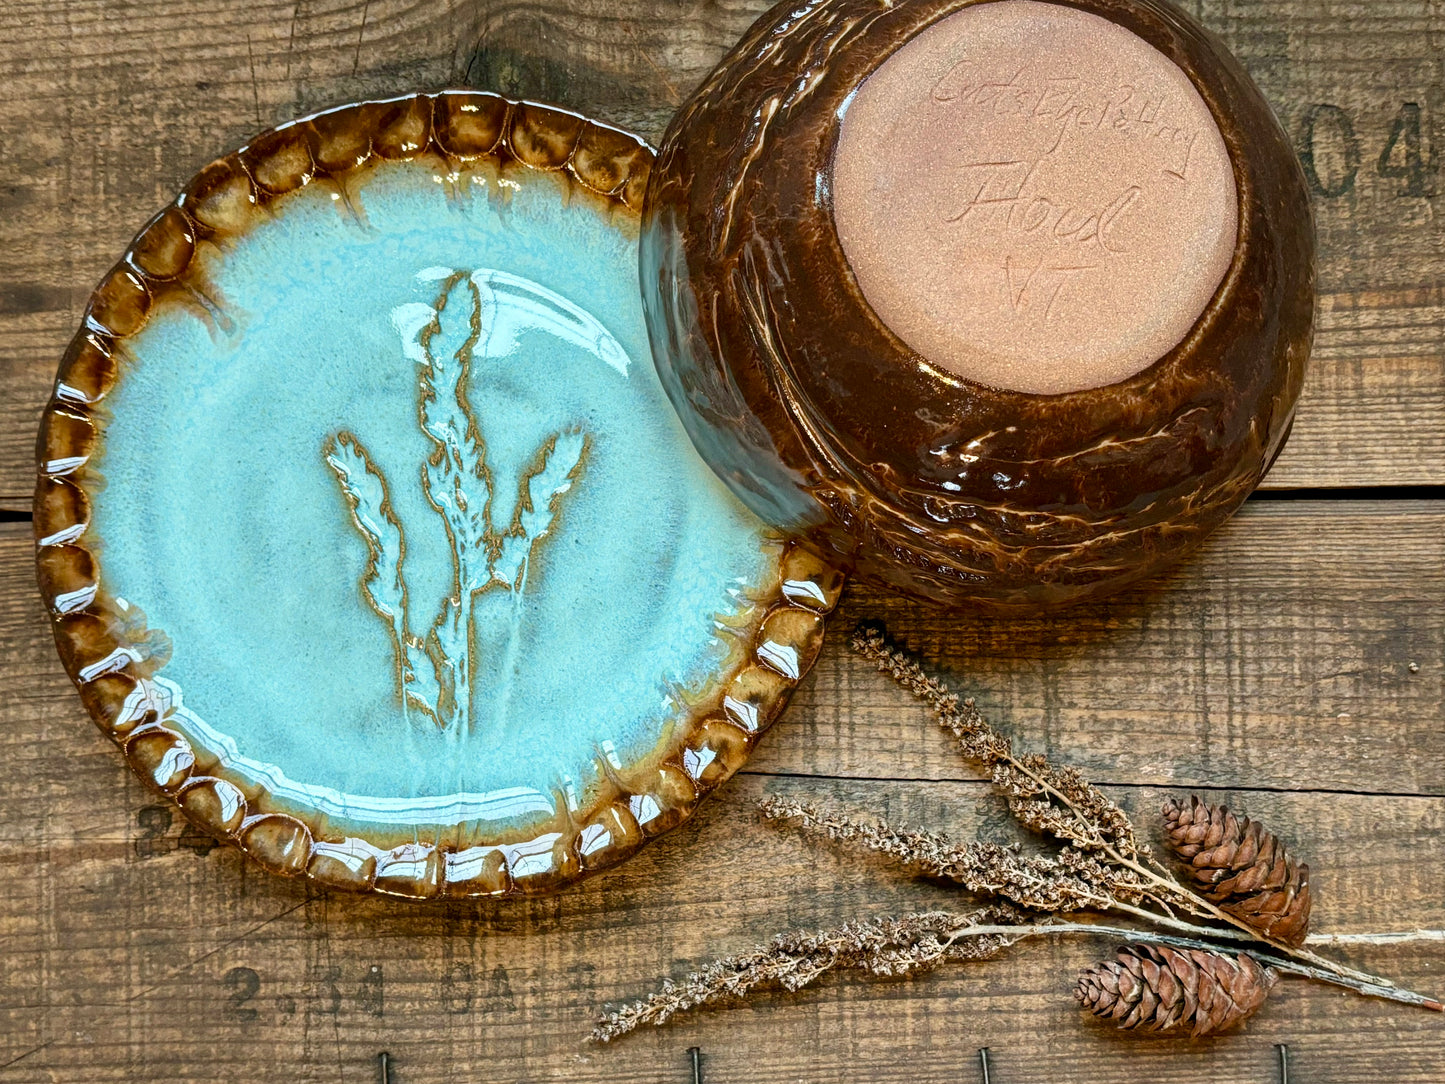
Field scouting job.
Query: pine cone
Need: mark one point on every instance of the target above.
(1165, 991)
(1242, 868)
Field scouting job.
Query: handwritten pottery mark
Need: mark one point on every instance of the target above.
(1069, 104)
(1003, 187)
(1014, 202)
(434, 669)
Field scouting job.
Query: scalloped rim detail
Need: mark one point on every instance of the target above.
(782, 636)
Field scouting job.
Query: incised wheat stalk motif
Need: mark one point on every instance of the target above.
(434, 669)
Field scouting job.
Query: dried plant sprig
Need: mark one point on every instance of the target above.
(1051, 800)
(1062, 804)
(1113, 836)
(889, 947)
(909, 944)
(1101, 866)
(1070, 881)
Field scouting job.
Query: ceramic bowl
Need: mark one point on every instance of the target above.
(368, 532)
(827, 423)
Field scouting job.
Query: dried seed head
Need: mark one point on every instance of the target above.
(887, 947)
(1048, 799)
(1166, 991)
(1069, 881)
(1243, 868)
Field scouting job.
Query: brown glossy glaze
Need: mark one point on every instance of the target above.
(100, 645)
(824, 421)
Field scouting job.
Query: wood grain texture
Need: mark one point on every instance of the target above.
(111, 105)
(1280, 657)
(1273, 671)
(185, 967)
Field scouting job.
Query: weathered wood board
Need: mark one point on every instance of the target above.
(112, 104)
(1296, 667)
(1280, 658)
(183, 966)
(137, 948)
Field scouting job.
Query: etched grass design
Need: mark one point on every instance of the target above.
(543, 490)
(382, 583)
(434, 671)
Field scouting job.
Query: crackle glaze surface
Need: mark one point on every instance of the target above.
(826, 422)
(410, 577)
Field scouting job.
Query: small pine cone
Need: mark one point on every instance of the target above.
(1166, 991)
(1243, 868)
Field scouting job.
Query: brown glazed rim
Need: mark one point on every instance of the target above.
(100, 648)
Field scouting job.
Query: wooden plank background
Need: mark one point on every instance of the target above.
(1297, 667)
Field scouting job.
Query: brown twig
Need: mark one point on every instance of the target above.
(910, 944)
(1101, 867)
(1089, 819)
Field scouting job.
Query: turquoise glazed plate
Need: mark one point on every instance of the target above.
(368, 532)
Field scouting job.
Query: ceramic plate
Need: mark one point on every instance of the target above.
(368, 531)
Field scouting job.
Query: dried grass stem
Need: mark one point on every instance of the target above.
(1100, 866)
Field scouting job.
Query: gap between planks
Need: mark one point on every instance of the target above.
(1105, 784)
